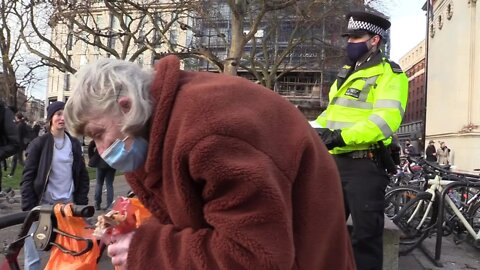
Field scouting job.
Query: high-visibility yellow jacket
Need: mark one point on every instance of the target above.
(368, 105)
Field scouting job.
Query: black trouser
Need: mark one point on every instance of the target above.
(364, 186)
(18, 157)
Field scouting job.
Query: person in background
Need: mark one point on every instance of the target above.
(396, 150)
(431, 152)
(54, 172)
(9, 143)
(36, 129)
(366, 106)
(443, 154)
(234, 176)
(22, 132)
(410, 149)
(43, 129)
(104, 173)
(4, 165)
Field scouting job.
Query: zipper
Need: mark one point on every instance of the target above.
(46, 182)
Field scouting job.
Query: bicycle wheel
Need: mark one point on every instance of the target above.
(397, 198)
(415, 220)
(474, 220)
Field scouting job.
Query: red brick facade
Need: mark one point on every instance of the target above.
(416, 93)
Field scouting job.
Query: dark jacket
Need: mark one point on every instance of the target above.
(37, 168)
(94, 158)
(235, 178)
(23, 134)
(430, 153)
(410, 150)
(8, 133)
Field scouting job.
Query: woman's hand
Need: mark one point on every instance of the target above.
(118, 249)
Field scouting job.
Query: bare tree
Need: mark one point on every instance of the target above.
(130, 28)
(8, 79)
(18, 69)
(267, 38)
(296, 37)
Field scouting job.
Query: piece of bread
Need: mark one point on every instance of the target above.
(109, 220)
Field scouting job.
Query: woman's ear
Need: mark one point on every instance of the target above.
(125, 104)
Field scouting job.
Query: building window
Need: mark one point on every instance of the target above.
(98, 20)
(449, 11)
(440, 21)
(66, 82)
(70, 41)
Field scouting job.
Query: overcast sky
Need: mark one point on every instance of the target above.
(408, 26)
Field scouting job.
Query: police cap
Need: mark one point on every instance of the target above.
(361, 23)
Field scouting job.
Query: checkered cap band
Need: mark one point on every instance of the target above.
(361, 25)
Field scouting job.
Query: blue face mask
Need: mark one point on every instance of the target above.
(126, 161)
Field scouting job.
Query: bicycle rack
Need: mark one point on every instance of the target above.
(435, 259)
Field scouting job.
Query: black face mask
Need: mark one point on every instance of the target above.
(357, 50)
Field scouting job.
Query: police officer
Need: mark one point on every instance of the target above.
(366, 106)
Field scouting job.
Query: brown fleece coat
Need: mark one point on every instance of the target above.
(236, 179)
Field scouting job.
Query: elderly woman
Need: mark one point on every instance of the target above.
(234, 176)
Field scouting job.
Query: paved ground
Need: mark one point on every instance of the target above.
(453, 257)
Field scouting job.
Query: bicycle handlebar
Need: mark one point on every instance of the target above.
(45, 215)
(83, 211)
(12, 219)
(19, 218)
(438, 168)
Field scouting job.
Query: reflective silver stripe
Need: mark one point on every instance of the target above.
(366, 88)
(389, 104)
(323, 114)
(381, 124)
(338, 124)
(351, 103)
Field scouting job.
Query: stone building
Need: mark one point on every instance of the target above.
(453, 92)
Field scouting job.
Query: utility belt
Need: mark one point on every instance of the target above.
(378, 153)
(358, 154)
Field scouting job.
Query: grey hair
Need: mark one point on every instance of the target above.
(96, 92)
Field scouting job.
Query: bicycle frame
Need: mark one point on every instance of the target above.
(437, 187)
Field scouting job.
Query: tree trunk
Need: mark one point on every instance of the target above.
(237, 42)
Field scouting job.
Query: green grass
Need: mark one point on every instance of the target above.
(14, 182)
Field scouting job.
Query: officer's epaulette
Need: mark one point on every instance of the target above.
(343, 73)
(395, 67)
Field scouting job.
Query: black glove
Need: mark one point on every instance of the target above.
(331, 138)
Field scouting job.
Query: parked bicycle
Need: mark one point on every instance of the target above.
(418, 217)
(409, 173)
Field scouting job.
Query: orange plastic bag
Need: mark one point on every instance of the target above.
(76, 226)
